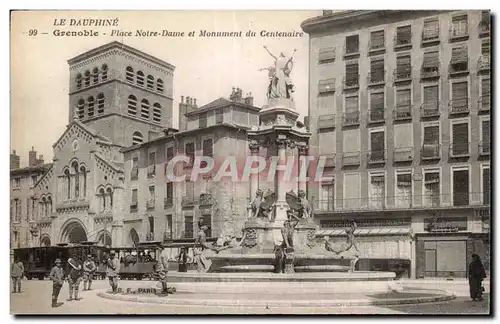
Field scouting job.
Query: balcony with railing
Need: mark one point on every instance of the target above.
(326, 55)
(429, 72)
(351, 158)
(329, 159)
(459, 106)
(459, 150)
(402, 112)
(459, 68)
(168, 202)
(484, 103)
(134, 174)
(150, 204)
(351, 50)
(402, 41)
(402, 154)
(351, 82)
(430, 36)
(402, 75)
(484, 148)
(326, 121)
(350, 118)
(483, 63)
(376, 115)
(376, 156)
(430, 109)
(151, 171)
(430, 152)
(375, 78)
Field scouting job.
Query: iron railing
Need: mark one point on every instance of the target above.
(484, 148)
(429, 71)
(402, 74)
(402, 112)
(430, 109)
(459, 106)
(376, 77)
(351, 82)
(376, 115)
(456, 33)
(459, 149)
(484, 103)
(350, 118)
(483, 63)
(376, 156)
(400, 41)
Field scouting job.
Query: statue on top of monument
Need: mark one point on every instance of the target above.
(299, 203)
(280, 83)
(262, 204)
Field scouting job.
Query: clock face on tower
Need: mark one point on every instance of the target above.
(75, 145)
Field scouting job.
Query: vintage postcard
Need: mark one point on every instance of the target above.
(250, 162)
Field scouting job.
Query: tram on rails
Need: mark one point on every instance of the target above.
(137, 262)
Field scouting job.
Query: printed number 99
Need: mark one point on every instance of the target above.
(32, 32)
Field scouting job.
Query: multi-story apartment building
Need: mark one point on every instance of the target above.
(161, 209)
(405, 95)
(23, 203)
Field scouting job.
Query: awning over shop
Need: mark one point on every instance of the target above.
(365, 231)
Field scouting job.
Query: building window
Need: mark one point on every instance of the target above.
(459, 97)
(430, 65)
(132, 105)
(327, 197)
(403, 67)
(168, 235)
(104, 72)
(403, 103)
(157, 113)
(189, 190)
(377, 107)
(219, 116)
(352, 74)
(102, 199)
(460, 139)
(188, 226)
(326, 86)
(152, 196)
(140, 78)
(377, 147)
(403, 35)
(90, 106)
(169, 193)
(430, 147)
(159, 85)
(150, 82)
(34, 178)
(377, 72)
(431, 29)
(80, 108)
(484, 146)
(377, 40)
(202, 120)
(129, 74)
(134, 172)
(459, 59)
(208, 148)
(351, 115)
(87, 78)
(486, 185)
(134, 205)
(459, 26)
(137, 138)
(169, 156)
(100, 103)
(151, 164)
(377, 191)
(83, 175)
(352, 44)
(403, 190)
(78, 81)
(68, 184)
(460, 187)
(17, 182)
(432, 196)
(431, 101)
(485, 94)
(95, 76)
(190, 153)
(484, 24)
(145, 109)
(326, 55)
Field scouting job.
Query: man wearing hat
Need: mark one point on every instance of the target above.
(17, 273)
(162, 269)
(74, 278)
(89, 268)
(112, 270)
(57, 277)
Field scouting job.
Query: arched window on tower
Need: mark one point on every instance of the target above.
(90, 106)
(83, 174)
(159, 85)
(74, 167)
(95, 75)
(129, 74)
(87, 78)
(104, 72)
(109, 193)
(157, 113)
(78, 81)
(44, 207)
(151, 82)
(80, 108)
(132, 105)
(140, 78)
(49, 205)
(68, 184)
(145, 109)
(100, 104)
(137, 138)
(102, 200)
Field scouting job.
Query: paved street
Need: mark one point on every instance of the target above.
(36, 299)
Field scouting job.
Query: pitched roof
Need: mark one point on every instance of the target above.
(86, 129)
(219, 103)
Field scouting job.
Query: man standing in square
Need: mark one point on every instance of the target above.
(112, 271)
(57, 277)
(17, 273)
(89, 268)
(74, 278)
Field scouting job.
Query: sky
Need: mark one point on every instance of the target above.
(206, 68)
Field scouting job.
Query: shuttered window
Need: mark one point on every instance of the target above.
(431, 60)
(459, 54)
(219, 116)
(431, 189)
(485, 130)
(169, 192)
(327, 85)
(352, 44)
(326, 54)
(377, 146)
(208, 147)
(403, 98)
(431, 135)
(485, 87)
(351, 104)
(352, 73)
(377, 70)
(431, 29)
(431, 96)
(486, 186)
(377, 39)
(403, 190)
(459, 26)
(485, 47)
(203, 120)
(460, 139)
(403, 67)
(403, 35)
(190, 151)
(188, 226)
(460, 188)
(134, 196)
(327, 196)
(151, 163)
(377, 106)
(459, 90)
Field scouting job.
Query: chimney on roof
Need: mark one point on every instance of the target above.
(182, 99)
(249, 99)
(40, 160)
(32, 157)
(183, 109)
(15, 161)
(194, 104)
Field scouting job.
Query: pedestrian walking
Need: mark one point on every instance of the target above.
(162, 270)
(75, 275)
(17, 274)
(183, 259)
(57, 277)
(89, 269)
(476, 276)
(112, 271)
